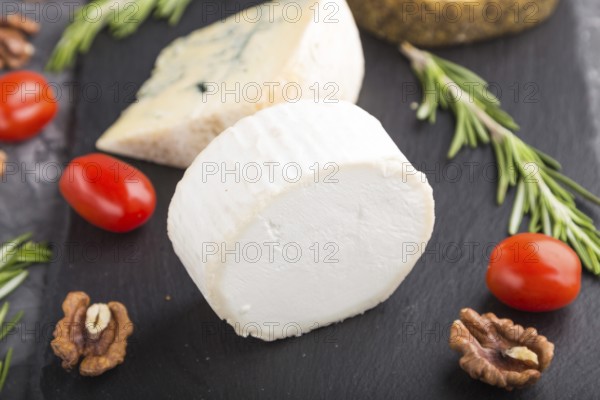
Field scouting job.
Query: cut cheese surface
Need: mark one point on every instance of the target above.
(300, 216)
(208, 80)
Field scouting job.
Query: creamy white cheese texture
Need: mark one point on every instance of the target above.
(276, 52)
(300, 216)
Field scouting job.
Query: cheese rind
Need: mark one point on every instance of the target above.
(208, 80)
(431, 23)
(298, 217)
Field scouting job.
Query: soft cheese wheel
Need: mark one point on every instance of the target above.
(205, 82)
(299, 216)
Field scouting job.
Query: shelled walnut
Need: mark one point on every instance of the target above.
(15, 48)
(499, 352)
(98, 333)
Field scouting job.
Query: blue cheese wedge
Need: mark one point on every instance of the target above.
(300, 216)
(205, 82)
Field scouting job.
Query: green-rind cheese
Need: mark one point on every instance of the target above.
(448, 22)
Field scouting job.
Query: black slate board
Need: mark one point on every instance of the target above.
(181, 350)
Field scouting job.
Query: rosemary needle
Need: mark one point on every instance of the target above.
(543, 193)
(4, 368)
(11, 324)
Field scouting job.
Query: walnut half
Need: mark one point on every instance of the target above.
(15, 47)
(98, 333)
(499, 352)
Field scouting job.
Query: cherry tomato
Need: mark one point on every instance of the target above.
(107, 192)
(27, 104)
(534, 272)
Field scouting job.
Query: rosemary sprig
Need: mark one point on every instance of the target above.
(543, 192)
(15, 256)
(122, 17)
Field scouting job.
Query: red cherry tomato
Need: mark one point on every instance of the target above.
(534, 272)
(27, 104)
(108, 193)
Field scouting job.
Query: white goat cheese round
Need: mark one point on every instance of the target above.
(300, 216)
